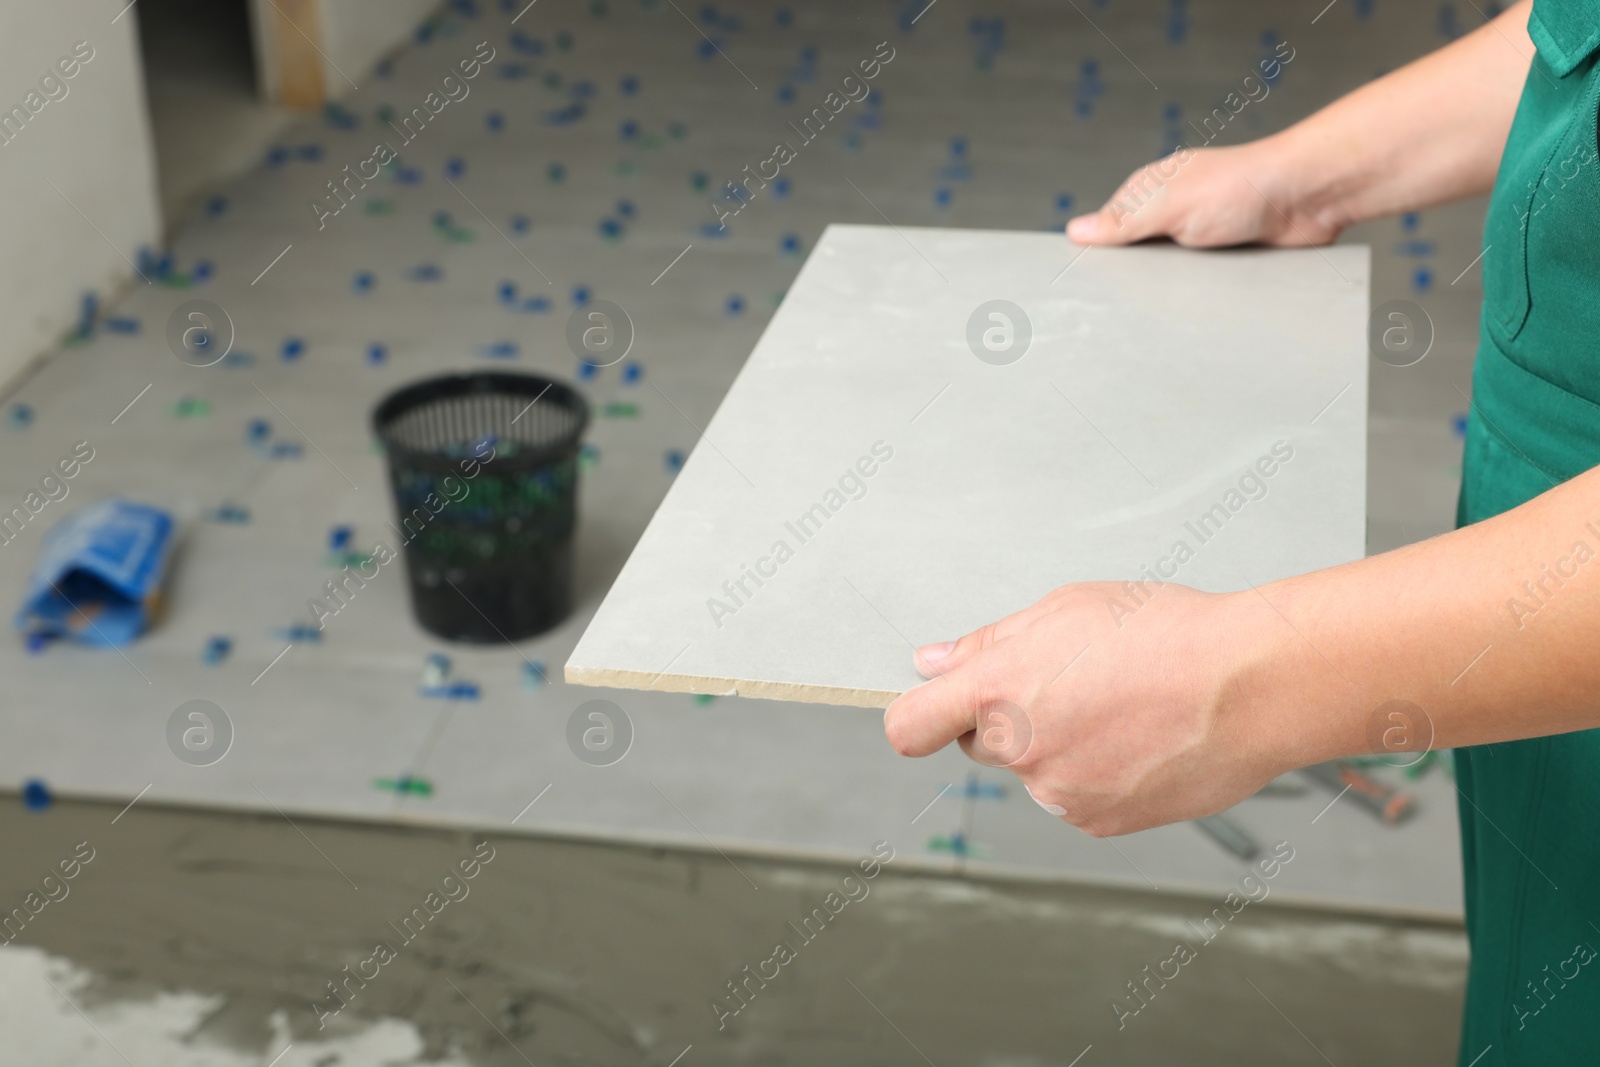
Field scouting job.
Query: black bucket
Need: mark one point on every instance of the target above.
(484, 469)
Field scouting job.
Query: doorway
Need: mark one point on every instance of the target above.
(207, 116)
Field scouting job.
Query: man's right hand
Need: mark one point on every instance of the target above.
(1208, 198)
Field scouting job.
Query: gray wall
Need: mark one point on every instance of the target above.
(94, 145)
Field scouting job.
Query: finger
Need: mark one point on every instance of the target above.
(1002, 735)
(1098, 228)
(939, 659)
(925, 719)
(967, 741)
(1132, 214)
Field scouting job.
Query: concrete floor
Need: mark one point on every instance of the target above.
(202, 939)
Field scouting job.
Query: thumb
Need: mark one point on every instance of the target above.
(1087, 229)
(1127, 217)
(928, 717)
(946, 656)
(1113, 224)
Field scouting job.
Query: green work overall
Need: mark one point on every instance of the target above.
(1530, 810)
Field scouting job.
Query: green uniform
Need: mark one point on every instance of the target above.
(1530, 810)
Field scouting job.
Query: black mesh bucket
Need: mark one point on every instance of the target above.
(484, 469)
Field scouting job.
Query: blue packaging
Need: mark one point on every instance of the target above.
(98, 579)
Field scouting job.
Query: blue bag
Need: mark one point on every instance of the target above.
(98, 579)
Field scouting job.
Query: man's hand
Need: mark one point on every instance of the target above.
(1209, 198)
(1429, 133)
(1115, 704)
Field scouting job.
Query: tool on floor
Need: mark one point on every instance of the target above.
(1230, 835)
(1390, 805)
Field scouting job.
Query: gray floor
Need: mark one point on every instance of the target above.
(1000, 140)
(202, 939)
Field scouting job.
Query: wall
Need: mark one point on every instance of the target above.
(358, 33)
(94, 144)
(350, 35)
